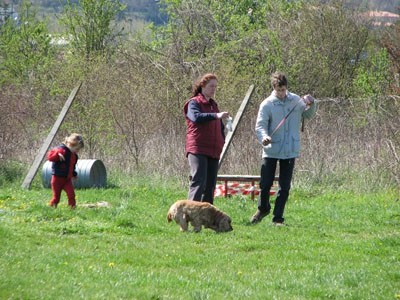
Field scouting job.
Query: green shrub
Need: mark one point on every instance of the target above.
(10, 172)
(373, 75)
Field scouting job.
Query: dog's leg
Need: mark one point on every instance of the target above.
(183, 223)
(213, 227)
(196, 226)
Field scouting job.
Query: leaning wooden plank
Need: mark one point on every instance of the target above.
(39, 157)
(236, 121)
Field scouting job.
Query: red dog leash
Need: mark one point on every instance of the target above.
(266, 141)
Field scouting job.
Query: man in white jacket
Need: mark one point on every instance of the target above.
(278, 130)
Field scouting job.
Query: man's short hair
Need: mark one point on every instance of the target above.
(278, 79)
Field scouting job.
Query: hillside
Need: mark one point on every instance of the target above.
(149, 10)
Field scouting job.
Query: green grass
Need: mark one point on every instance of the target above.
(338, 245)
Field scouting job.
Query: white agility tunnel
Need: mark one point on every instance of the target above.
(91, 174)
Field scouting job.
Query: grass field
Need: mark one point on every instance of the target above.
(337, 245)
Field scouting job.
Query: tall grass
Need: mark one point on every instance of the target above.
(337, 245)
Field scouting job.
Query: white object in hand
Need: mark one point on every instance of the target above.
(229, 124)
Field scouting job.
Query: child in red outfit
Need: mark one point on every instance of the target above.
(64, 160)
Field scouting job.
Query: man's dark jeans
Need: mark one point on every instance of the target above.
(268, 169)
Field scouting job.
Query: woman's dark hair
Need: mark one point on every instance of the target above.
(202, 82)
(278, 79)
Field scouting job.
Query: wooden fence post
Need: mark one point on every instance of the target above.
(236, 121)
(39, 157)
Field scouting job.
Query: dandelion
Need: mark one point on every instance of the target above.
(111, 265)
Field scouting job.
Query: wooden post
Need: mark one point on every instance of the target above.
(39, 157)
(236, 121)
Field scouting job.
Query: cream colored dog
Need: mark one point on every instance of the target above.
(198, 214)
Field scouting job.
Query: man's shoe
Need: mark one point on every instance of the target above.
(258, 216)
(278, 223)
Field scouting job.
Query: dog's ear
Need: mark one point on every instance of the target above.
(169, 217)
(218, 216)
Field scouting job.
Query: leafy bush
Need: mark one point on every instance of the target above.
(373, 75)
(10, 172)
(25, 48)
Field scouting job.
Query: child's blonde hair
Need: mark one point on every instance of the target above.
(75, 140)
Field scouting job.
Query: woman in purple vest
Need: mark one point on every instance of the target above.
(205, 138)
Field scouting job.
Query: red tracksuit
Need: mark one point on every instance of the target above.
(63, 172)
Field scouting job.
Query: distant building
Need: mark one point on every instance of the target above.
(381, 18)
